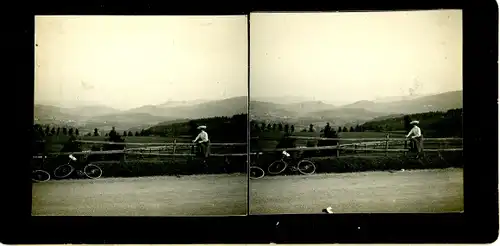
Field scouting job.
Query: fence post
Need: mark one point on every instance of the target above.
(387, 145)
(406, 147)
(175, 143)
(338, 148)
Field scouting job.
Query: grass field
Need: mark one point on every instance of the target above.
(146, 196)
(271, 139)
(438, 190)
(55, 143)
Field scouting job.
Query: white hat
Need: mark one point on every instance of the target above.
(202, 127)
(414, 122)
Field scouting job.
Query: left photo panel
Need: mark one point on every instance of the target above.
(140, 116)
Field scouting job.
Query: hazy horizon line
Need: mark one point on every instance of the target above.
(202, 100)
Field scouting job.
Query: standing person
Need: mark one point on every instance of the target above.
(416, 137)
(202, 141)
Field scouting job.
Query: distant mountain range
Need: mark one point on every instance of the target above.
(312, 112)
(104, 117)
(296, 112)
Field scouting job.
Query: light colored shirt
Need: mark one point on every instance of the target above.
(203, 137)
(415, 132)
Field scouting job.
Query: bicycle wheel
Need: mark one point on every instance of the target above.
(277, 167)
(63, 171)
(256, 172)
(40, 176)
(92, 171)
(306, 167)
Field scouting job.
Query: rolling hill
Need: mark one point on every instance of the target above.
(437, 102)
(145, 116)
(433, 124)
(226, 107)
(314, 112)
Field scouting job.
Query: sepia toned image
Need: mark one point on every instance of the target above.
(140, 116)
(356, 112)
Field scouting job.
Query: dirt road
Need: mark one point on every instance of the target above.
(409, 191)
(145, 196)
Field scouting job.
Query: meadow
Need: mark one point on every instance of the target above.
(55, 143)
(269, 140)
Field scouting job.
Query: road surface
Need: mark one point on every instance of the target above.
(144, 196)
(439, 190)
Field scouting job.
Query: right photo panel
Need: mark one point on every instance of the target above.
(356, 112)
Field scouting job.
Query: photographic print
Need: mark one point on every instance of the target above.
(356, 112)
(140, 116)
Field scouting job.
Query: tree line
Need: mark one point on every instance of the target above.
(48, 131)
(257, 127)
(221, 129)
(433, 124)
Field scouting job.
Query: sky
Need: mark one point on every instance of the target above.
(351, 56)
(130, 61)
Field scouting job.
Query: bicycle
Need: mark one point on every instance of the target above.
(90, 170)
(255, 171)
(301, 166)
(39, 175)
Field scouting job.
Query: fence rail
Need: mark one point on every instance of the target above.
(385, 142)
(162, 144)
(366, 139)
(157, 147)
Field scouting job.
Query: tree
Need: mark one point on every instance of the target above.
(96, 132)
(327, 129)
(143, 132)
(345, 129)
(89, 134)
(406, 123)
(280, 127)
(64, 131)
(263, 126)
(274, 127)
(340, 129)
(269, 127)
(77, 132)
(137, 134)
(292, 129)
(58, 131)
(106, 134)
(47, 131)
(286, 128)
(351, 129)
(124, 133)
(311, 128)
(130, 134)
(70, 131)
(304, 130)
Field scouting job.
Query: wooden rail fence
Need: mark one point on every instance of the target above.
(158, 147)
(148, 151)
(367, 142)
